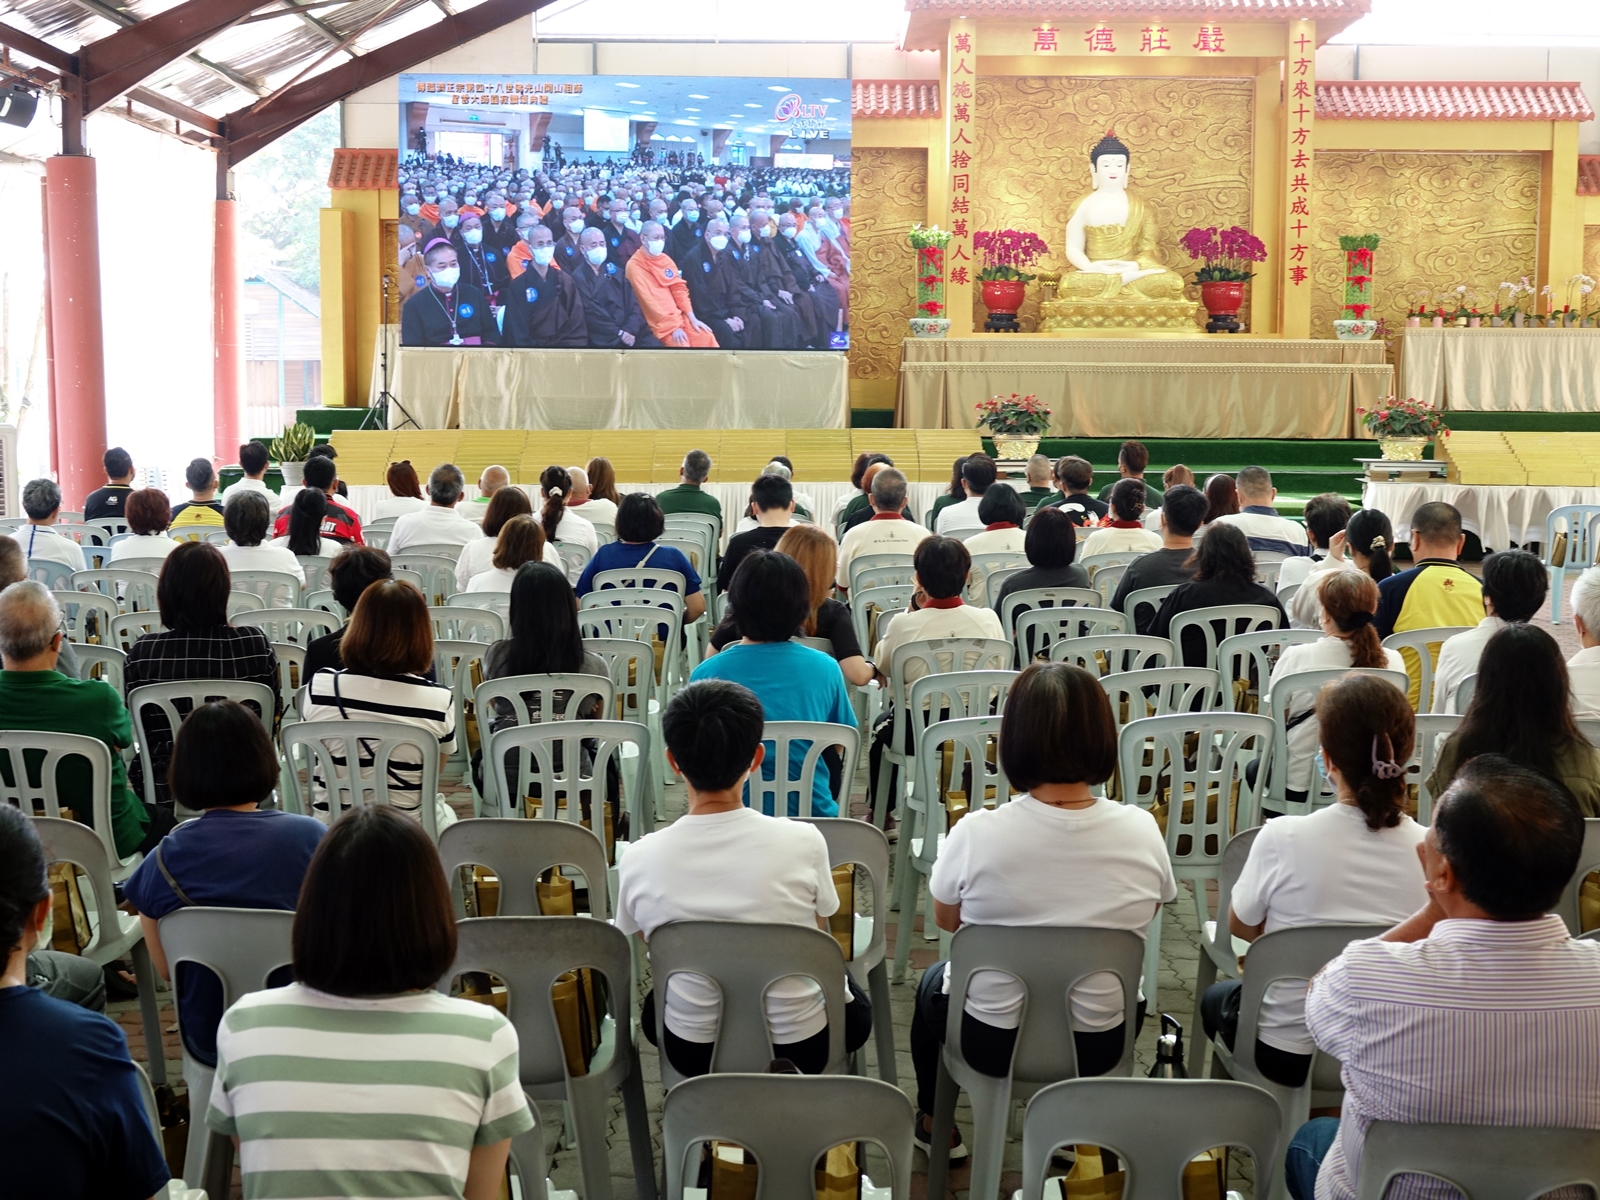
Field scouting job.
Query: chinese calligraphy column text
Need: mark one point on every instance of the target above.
(960, 169)
(1299, 126)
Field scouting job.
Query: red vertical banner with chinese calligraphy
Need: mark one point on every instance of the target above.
(960, 102)
(1299, 126)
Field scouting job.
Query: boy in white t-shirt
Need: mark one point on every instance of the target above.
(723, 861)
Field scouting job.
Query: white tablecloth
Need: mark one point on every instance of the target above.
(1502, 370)
(1500, 516)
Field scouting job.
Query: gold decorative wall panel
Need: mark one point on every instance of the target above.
(1591, 257)
(1191, 142)
(1445, 220)
(888, 195)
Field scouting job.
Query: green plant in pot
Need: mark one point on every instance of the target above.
(1403, 427)
(291, 451)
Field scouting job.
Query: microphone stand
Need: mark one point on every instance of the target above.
(378, 414)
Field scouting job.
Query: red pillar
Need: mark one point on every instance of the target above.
(228, 334)
(78, 366)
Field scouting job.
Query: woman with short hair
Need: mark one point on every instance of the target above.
(149, 515)
(1350, 863)
(1056, 855)
(405, 492)
(1224, 574)
(197, 643)
(640, 522)
(247, 517)
(1051, 544)
(1124, 533)
(521, 541)
(374, 933)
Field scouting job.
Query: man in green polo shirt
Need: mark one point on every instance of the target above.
(1039, 489)
(34, 695)
(689, 496)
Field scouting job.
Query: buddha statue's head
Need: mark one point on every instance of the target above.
(1108, 163)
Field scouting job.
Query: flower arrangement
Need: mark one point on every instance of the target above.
(929, 243)
(1007, 251)
(1582, 285)
(1358, 250)
(1403, 419)
(1227, 253)
(1512, 308)
(1013, 414)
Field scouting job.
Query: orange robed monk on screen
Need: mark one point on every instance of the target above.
(663, 296)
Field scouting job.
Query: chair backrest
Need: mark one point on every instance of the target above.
(1047, 597)
(466, 623)
(177, 700)
(574, 558)
(74, 842)
(128, 628)
(1420, 649)
(1579, 522)
(1481, 1162)
(496, 602)
(108, 526)
(517, 852)
(1432, 730)
(1049, 962)
(531, 954)
(984, 566)
(1039, 629)
(332, 745)
(78, 608)
(586, 750)
(1160, 692)
(1116, 558)
(297, 625)
(951, 695)
(974, 763)
(291, 671)
(84, 535)
(864, 844)
(1284, 693)
(647, 576)
(378, 523)
(1464, 692)
(933, 656)
(526, 699)
(633, 622)
(880, 570)
(450, 550)
(604, 532)
(241, 946)
(243, 602)
(324, 599)
(1109, 653)
(744, 959)
(1196, 1115)
(436, 571)
(377, 538)
(1588, 860)
(1202, 787)
(54, 575)
(868, 603)
(458, 665)
(806, 740)
(1287, 592)
(1149, 598)
(277, 589)
(691, 547)
(1234, 855)
(659, 597)
(33, 787)
(105, 663)
(315, 567)
(1107, 580)
(1215, 624)
(786, 1123)
(133, 590)
(1252, 656)
(1267, 571)
(632, 665)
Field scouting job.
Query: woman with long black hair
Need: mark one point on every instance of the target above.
(560, 526)
(305, 522)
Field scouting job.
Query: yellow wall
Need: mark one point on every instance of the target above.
(358, 249)
(889, 194)
(339, 282)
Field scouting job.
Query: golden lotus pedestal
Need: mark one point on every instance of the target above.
(1166, 317)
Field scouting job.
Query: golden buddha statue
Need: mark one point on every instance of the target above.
(1117, 281)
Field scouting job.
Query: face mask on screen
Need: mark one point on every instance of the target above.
(431, 198)
(789, 231)
(691, 214)
(413, 209)
(450, 220)
(499, 214)
(744, 236)
(595, 254)
(655, 246)
(574, 227)
(472, 236)
(543, 254)
(719, 242)
(472, 199)
(445, 277)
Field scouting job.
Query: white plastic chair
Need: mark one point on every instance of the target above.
(1464, 692)
(587, 749)
(450, 550)
(175, 701)
(1567, 907)
(329, 746)
(1252, 656)
(466, 623)
(1150, 598)
(1579, 522)
(243, 602)
(315, 567)
(1039, 629)
(1220, 950)
(1233, 619)
(1432, 731)
(105, 663)
(1051, 597)
(130, 627)
(1160, 692)
(1107, 580)
(458, 665)
(291, 672)
(1278, 703)
(276, 589)
(35, 757)
(1481, 1162)
(793, 784)
(78, 608)
(880, 570)
(436, 571)
(867, 606)
(295, 625)
(574, 558)
(1420, 649)
(979, 591)
(133, 590)
(324, 599)
(56, 576)
(1109, 653)
(496, 602)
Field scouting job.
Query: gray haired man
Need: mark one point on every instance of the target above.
(41, 500)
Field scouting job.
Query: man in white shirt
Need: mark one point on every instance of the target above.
(1514, 587)
(977, 477)
(886, 531)
(1262, 525)
(725, 862)
(1326, 515)
(1583, 668)
(254, 461)
(439, 523)
(41, 500)
(595, 510)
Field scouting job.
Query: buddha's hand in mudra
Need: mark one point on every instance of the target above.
(1128, 270)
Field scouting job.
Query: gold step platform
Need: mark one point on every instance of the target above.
(1169, 318)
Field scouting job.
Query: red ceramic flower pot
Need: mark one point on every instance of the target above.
(1003, 295)
(1222, 298)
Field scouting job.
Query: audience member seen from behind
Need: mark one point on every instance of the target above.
(770, 597)
(339, 522)
(1225, 574)
(1051, 544)
(1326, 515)
(1182, 507)
(353, 570)
(867, 511)
(954, 494)
(560, 525)
(723, 861)
(690, 495)
(197, 643)
(75, 1116)
(387, 650)
(772, 498)
(1407, 1013)
(1074, 477)
(1515, 584)
(855, 500)
(584, 504)
(41, 501)
(35, 695)
(1039, 471)
(247, 516)
(478, 556)
(1222, 499)
(1348, 640)
(885, 532)
(373, 934)
(978, 475)
(405, 492)
(438, 524)
(1056, 855)
(1267, 532)
(1437, 591)
(236, 855)
(828, 619)
(1132, 460)
(109, 502)
(1367, 539)
(1002, 512)
(1522, 708)
(14, 569)
(148, 515)
(603, 499)
(521, 541)
(1583, 668)
(1125, 532)
(253, 461)
(306, 519)
(1350, 863)
(639, 523)
(204, 511)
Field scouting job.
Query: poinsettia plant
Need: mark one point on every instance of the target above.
(1403, 419)
(1006, 251)
(1226, 253)
(1013, 414)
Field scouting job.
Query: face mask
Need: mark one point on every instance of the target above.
(432, 198)
(472, 236)
(766, 231)
(543, 254)
(574, 227)
(498, 214)
(472, 199)
(450, 220)
(691, 214)
(595, 254)
(719, 242)
(789, 231)
(634, 215)
(445, 277)
(655, 246)
(744, 236)
(413, 209)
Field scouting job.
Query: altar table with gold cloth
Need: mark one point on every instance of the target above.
(1500, 370)
(1234, 386)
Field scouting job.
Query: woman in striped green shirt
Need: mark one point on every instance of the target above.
(359, 1079)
